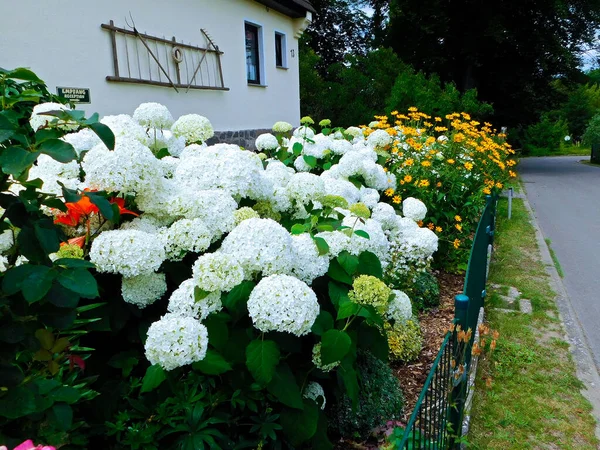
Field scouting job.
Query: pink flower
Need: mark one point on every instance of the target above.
(29, 445)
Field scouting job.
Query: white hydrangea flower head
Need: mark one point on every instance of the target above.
(399, 308)
(369, 197)
(153, 115)
(426, 240)
(373, 124)
(304, 132)
(186, 235)
(175, 341)
(337, 242)
(143, 290)
(169, 165)
(260, 245)
(355, 132)
(379, 139)
(442, 138)
(283, 303)
(386, 215)
(414, 209)
(194, 128)
(240, 172)
(341, 187)
(308, 264)
(266, 141)
(278, 173)
(7, 240)
(3, 263)
(282, 127)
(38, 120)
(377, 243)
(83, 140)
(305, 187)
(183, 302)
(146, 223)
(314, 391)
(129, 168)
(340, 146)
(128, 252)
(193, 150)
(217, 272)
(123, 126)
(51, 172)
(301, 165)
(244, 213)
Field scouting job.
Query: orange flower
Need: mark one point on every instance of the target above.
(120, 202)
(75, 210)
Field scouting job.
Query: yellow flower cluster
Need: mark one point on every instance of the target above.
(451, 163)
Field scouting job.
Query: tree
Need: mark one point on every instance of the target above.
(510, 50)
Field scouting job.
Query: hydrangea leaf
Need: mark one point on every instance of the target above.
(300, 425)
(362, 234)
(212, 364)
(348, 379)
(311, 161)
(323, 323)
(58, 150)
(14, 160)
(335, 345)
(104, 133)
(320, 440)
(62, 416)
(155, 375)
(38, 283)
(369, 264)
(322, 246)
(285, 388)
(237, 298)
(348, 262)
(338, 273)
(79, 281)
(262, 358)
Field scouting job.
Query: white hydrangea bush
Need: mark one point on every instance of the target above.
(217, 231)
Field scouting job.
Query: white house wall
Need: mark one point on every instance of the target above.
(62, 41)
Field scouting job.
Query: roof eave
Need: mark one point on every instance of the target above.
(292, 8)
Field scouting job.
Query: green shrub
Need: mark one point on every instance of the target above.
(545, 136)
(592, 132)
(380, 399)
(405, 340)
(425, 293)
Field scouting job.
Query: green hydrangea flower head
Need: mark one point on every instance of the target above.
(325, 123)
(70, 251)
(370, 290)
(404, 340)
(334, 201)
(307, 120)
(244, 213)
(265, 211)
(360, 210)
(316, 359)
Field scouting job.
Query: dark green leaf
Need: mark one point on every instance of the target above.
(300, 425)
(66, 394)
(47, 236)
(369, 264)
(212, 364)
(297, 148)
(327, 166)
(320, 440)
(59, 150)
(347, 375)
(14, 278)
(322, 245)
(337, 293)
(63, 415)
(371, 314)
(347, 308)
(79, 281)
(311, 161)
(74, 263)
(335, 345)
(55, 203)
(44, 134)
(17, 402)
(62, 297)
(12, 333)
(200, 294)
(218, 332)
(37, 284)
(362, 234)
(261, 359)
(105, 207)
(60, 320)
(323, 323)
(7, 128)
(22, 73)
(374, 340)
(285, 388)
(338, 273)
(237, 298)
(348, 262)
(10, 376)
(125, 361)
(104, 133)
(15, 160)
(155, 375)
(70, 195)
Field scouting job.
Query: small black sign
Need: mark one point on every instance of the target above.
(76, 95)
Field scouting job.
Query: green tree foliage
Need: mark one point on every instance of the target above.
(510, 50)
(592, 132)
(546, 135)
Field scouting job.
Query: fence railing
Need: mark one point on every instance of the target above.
(436, 421)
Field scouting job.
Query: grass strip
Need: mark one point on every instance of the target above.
(534, 401)
(555, 258)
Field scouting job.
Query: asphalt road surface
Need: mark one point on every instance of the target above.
(565, 196)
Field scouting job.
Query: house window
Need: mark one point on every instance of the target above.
(253, 56)
(280, 50)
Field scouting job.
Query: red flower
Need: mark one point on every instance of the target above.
(121, 203)
(83, 207)
(75, 360)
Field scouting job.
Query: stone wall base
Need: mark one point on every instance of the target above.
(243, 138)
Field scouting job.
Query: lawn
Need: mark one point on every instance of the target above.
(535, 400)
(571, 150)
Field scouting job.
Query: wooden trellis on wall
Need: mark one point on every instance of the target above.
(143, 59)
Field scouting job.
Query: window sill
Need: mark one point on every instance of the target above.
(257, 85)
(282, 67)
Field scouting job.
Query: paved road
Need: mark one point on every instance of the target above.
(565, 196)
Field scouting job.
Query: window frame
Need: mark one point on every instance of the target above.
(284, 50)
(260, 63)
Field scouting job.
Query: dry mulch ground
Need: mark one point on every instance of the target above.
(434, 324)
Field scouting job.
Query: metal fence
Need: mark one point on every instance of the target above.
(436, 421)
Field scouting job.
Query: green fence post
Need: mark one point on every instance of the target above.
(458, 394)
